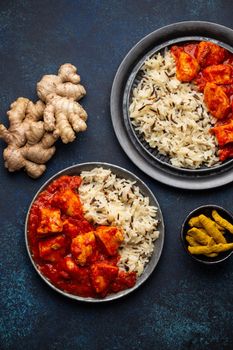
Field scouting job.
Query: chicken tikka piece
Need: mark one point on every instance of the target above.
(102, 275)
(110, 237)
(69, 202)
(50, 221)
(53, 249)
(83, 247)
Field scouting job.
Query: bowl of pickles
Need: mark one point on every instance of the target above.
(207, 234)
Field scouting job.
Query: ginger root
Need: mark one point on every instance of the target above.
(29, 145)
(63, 115)
(34, 127)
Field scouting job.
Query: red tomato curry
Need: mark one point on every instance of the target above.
(76, 256)
(210, 67)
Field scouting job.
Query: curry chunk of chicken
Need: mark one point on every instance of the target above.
(187, 66)
(83, 248)
(218, 74)
(208, 53)
(52, 249)
(217, 101)
(102, 275)
(110, 237)
(69, 269)
(68, 202)
(224, 133)
(50, 221)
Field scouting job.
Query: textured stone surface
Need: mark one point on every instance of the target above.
(183, 305)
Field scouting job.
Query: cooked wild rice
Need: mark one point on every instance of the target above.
(172, 116)
(110, 200)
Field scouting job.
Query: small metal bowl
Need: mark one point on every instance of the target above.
(158, 244)
(206, 210)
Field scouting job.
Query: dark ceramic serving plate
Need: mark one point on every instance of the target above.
(133, 81)
(206, 210)
(158, 244)
(138, 151)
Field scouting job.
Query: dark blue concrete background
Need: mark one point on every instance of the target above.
(183, 305)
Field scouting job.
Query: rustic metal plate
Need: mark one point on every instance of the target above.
(158, 244)
(133, 81)
(159, 168)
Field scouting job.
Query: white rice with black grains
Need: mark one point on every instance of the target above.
(172, 116)
(110, 200)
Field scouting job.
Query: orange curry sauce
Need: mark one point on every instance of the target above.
(210, 67)
(74, 255)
